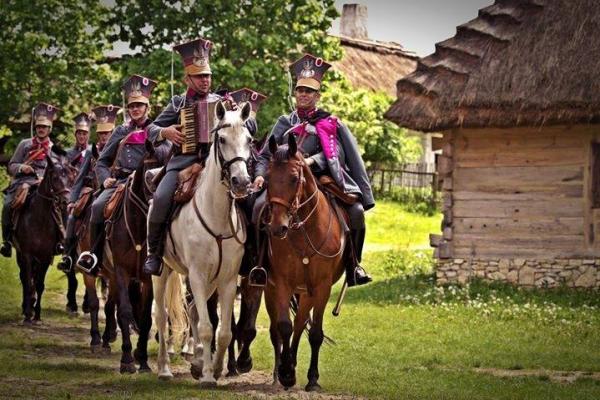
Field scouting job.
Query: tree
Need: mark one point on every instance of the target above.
(50, 51)
(254, 41)
(382, 142)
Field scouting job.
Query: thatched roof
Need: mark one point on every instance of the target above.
(375, 65)
(520, 62)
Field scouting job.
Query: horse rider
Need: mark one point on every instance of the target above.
(329, 148)
(27, 165)
(77, 153)
(198, 79)
(105, 117)
(122, 155)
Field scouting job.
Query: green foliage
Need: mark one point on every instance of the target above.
(382, 142)
(49, 51)
(253, 42)
(417, 200)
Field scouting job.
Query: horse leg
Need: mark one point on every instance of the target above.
(231, 363)
(226, 299)
(302, 316)
(110, 329)
(213, 315)
(159, 285)
(125, 315)
(315, 336)
(286, 372)
(196, 356)
(71, 291)
(205, 331)
(94, 303)
(40, 278)
(145, 323)
(270, 302)
(250, 304)
(26, 283)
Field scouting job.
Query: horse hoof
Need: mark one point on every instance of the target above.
(106, 349)
(165, 376)
(112, 337)
(144, 369)
(128, 368)
(27, 322)
(232, 372)
(95, 348)
(312, 387)
(287, 381)
(244, 366)
(188, 356)
(196, 371)
(208, 384)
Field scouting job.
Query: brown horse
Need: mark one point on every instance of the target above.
(84, 244)
(38, 231)
(126, 235)
(307, 244)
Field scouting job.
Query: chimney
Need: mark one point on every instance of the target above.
(354, 21)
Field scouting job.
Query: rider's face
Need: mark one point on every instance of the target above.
(82, 137)
(42, 131)
(306, 98)
(199, 83)
(137, 111)
(102, 137)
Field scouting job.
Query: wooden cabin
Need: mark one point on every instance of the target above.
(516, 96)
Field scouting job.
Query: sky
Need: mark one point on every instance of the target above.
(416, 24)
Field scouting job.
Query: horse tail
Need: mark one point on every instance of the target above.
(175, 301)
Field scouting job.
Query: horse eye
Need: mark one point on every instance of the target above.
(294, 178)
(221, 140)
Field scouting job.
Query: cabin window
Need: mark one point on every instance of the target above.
(596, 175)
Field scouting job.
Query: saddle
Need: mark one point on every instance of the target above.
(329, 186)
(20, 197)
(113, 203)
(82, 202)
(186, 183)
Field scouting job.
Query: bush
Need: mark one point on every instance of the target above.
(418, 200)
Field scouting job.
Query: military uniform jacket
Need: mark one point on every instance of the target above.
(346, 167)
(171, 116)
(75, 153)
(129, 158)
(85, 177)
(18, 159)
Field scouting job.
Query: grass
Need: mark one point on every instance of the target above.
(399, 337)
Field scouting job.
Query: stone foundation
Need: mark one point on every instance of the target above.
(522, 272)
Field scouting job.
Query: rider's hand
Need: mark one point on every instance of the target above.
(70, 207)
(109, 182)
(26, 169)
(309, 161)
(173, 134)
(258, 183)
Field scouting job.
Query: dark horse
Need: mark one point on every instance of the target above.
(126, 235)
(307, 244)
(38, 231)
(84, 244)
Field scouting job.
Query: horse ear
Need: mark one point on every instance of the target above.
(272, 144)
(292, 146)
(220, 111)
(246, 109)
(58, 150)
(95, 152)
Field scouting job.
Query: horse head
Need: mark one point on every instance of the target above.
(58, 176)
(232, 145)
(289, 181)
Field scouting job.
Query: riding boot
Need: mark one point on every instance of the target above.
(66, 262)
(156, 234)
(355, 274)
(91, 261)
(259, 274)
(6, 249)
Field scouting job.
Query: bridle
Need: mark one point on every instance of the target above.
(55, 196)
(225, 165)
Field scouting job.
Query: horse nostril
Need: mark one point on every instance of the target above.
(234, 180)
(281, 231)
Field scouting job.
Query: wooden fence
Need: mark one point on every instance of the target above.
(416, 176)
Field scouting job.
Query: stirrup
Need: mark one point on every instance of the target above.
(257, 277)
(65, 264)
(87, 270)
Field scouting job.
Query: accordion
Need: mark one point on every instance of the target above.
(197, 121)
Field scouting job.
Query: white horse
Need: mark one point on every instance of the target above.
(206, 242)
